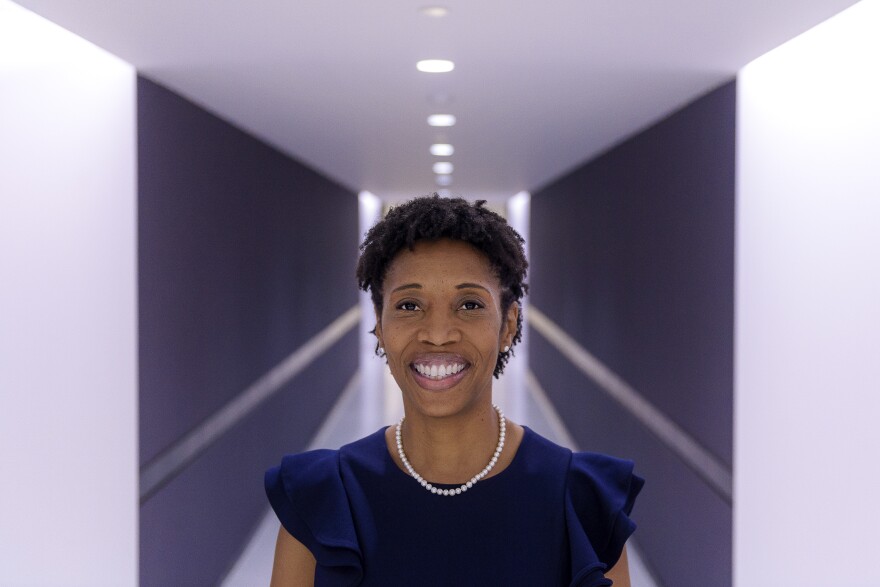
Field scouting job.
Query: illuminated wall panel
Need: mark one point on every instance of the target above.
(808, 309)
(68, 316)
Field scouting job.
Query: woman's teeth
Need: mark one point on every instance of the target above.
(438, 371)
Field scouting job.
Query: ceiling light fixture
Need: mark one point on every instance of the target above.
(435, 65)
(434, 11)
(442, 150)
(443, 168)
(441, 120)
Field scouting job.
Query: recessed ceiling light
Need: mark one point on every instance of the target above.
(435, 65)
(443, 180)
(441, 120)
(434, 11)
(443, 168)
(442, 150)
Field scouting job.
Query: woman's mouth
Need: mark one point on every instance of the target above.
(439, 373)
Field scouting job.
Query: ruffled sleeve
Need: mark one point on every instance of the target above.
(308, 497)
(600, 494)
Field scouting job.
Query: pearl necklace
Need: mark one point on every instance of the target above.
(502, 430)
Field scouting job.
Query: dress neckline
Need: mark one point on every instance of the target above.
(389, 460)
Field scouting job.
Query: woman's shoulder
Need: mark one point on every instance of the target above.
(535, 443)
(309, 498)
(308, 462)
(323, 464)
(592, 468)
(367, 444)
(309, 495)
(596, 476)
(601, 493)
(302, 478)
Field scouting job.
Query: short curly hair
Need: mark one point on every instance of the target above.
(430, 218)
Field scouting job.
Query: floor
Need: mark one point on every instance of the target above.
(363, 408)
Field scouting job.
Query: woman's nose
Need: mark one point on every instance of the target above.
(439, 328)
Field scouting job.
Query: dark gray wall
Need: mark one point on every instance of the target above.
(633, 256)
(244, 254)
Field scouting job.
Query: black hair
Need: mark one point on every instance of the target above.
(431, 218)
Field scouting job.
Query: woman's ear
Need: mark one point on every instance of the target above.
(508, 330)
(378, 330)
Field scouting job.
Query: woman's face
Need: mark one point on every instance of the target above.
(442, 326)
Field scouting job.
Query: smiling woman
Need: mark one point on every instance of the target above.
(442, 326)
(454, 493)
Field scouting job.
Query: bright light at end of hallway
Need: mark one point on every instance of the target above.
(435, 65)
(371, 206)
(442, 150)
(443, 168)
(434, 11)
(441, 120)
(519, 204)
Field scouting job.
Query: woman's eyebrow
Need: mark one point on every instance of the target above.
(407, 286)
(471, 285)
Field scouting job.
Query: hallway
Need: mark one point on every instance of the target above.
(184, 187)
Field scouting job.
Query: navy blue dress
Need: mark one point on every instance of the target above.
(552, 517)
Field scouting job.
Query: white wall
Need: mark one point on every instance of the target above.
(372, 369)
(68, 315)
(807, 408)
(511, 391)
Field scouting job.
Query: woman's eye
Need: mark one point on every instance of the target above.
(471, 305)
(408, 306)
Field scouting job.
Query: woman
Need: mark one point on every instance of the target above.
(454, 494)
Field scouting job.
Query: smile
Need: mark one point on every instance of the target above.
(438, 371)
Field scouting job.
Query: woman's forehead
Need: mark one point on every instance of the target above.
(440, 258)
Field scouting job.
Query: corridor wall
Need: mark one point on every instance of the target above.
(632, 256)
(244, 255)
(808, 308)
(68, 315)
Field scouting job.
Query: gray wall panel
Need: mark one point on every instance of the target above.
(684, 527)
(244, 255)
(632, 255)
(194, 528)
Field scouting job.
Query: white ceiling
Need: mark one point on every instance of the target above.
(538, 88)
